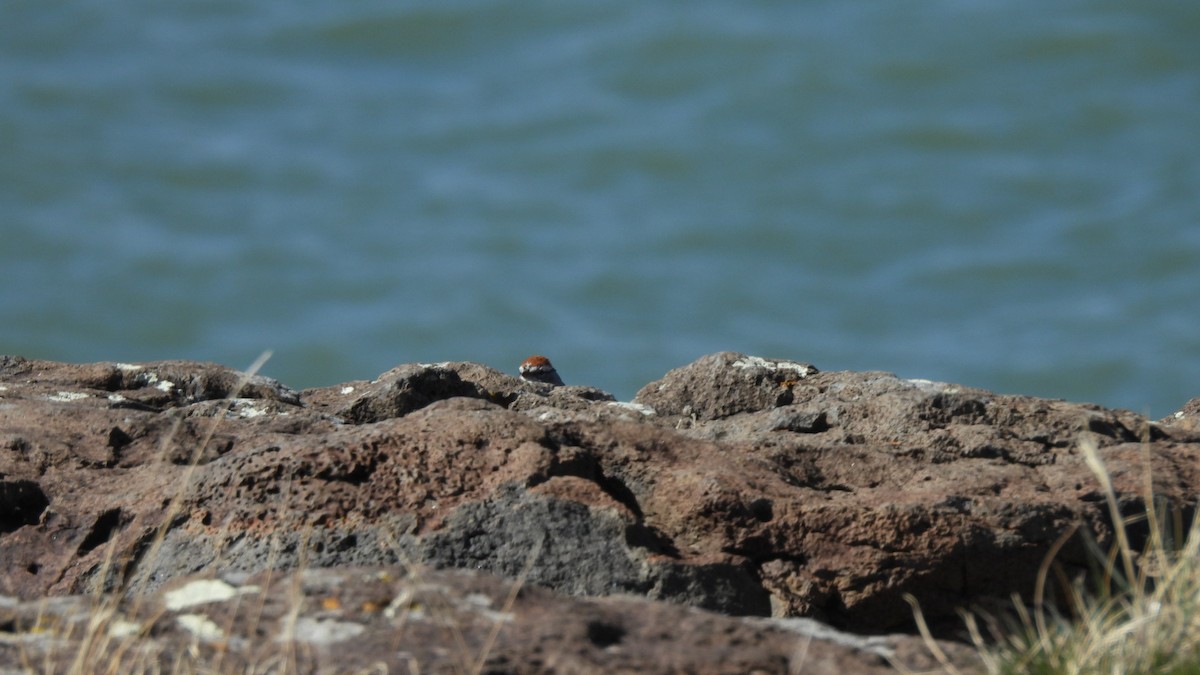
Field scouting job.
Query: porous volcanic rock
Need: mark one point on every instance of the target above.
(1187, 417)
(736, 483)
(410, 620)
(724, 384)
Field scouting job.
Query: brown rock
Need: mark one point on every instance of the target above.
(1186, 419)
(738, 484)
(412, 620)
(724, 384)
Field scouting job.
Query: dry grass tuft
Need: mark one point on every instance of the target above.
(1143, 616)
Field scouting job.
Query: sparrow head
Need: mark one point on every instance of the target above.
(539, 369)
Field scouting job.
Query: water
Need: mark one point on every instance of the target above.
(1001, 194)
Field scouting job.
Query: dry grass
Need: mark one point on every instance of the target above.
(1141, 616)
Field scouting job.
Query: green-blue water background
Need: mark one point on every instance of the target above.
(1000, 194)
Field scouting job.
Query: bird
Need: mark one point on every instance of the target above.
(539, 369)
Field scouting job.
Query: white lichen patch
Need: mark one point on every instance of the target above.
(247, 408)
(127, 367)
(201, 591)
(802, 370)
(67, 396)
(321, 631)
(151, 379)
(640, 408)
(346, 391)
(201, 626)
(116, 398)
(121, 628)
(482, 605)
(932, 387)
(478, 599)
(811, 628)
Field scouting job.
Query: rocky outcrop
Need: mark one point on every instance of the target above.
(399, 620)
(737, 484)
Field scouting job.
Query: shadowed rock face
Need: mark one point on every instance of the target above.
(737, 484)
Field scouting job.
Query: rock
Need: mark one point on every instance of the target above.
(417, 620)
(1186, 418)
(737, 484)
(157, 385)
(413, 386)
(724, 384)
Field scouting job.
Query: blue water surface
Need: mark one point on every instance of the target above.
(1000, 194)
